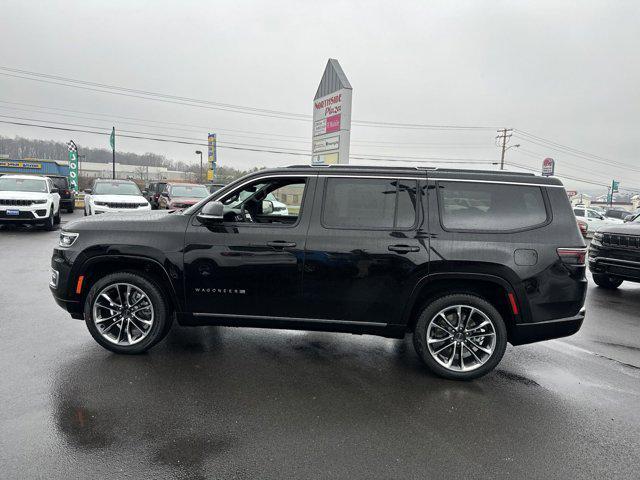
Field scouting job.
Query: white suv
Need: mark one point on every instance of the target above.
(593, 219)
(29, 199)
(114, 196)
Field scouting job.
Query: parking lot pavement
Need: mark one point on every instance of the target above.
(248, 403)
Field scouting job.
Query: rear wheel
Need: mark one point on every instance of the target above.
(460, 336)
(606, 281)
(125, 312)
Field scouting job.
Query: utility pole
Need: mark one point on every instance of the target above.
(501, 141)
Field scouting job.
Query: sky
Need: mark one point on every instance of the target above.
(566, 72)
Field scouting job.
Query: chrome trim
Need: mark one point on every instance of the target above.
(290, 319)
(494, 181)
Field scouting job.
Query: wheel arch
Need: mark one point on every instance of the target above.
(494, 289)
(99, 266)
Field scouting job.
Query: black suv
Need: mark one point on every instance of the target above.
(152, 193)
(614, 254)
(465, 260)
(67, 195)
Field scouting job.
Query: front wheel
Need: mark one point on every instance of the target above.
(606, 281)
(460, 336)
(126, 313)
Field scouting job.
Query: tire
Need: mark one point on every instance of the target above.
(70, 210)
(56, 218)
(50, 222)
(161, 316)
(475, 311)
(606, 281)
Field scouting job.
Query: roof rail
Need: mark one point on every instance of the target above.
(420, 168)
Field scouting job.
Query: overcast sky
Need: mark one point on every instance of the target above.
(564, 71)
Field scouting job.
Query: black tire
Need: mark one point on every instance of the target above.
(70, 210)
(50, 222)
(436, 306)
(606, 281)
(56, 218)
(163, 317)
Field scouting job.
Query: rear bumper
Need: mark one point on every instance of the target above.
(535, 332)
(67, 203)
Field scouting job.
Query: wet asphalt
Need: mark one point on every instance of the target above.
(262, 404)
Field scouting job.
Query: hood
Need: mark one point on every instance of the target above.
(119, 198)
(621, 229)
(24, 195)
(129, 221)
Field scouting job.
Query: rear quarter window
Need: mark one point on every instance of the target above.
(490, 207)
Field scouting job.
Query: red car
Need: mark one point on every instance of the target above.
(182, 195)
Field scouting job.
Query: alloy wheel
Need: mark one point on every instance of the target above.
(461, 338)
(123, 314)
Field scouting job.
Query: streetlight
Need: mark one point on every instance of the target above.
(199, 152)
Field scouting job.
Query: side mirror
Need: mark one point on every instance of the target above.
(87, 190)
(267, 207)
(55, 190)
(164, 194)
(211, 213)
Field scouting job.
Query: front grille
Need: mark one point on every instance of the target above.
(15, 203)
(122, 205)
(624, 241)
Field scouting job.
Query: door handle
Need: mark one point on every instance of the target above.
(403, 248)
(281, 244)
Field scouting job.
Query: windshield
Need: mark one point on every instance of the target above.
(8, 184)
(194, 191)
(116, 188)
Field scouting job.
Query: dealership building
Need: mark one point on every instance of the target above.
(36, 166)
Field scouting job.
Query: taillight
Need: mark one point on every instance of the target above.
(572, 256)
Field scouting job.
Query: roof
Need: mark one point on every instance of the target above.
(420, 172)
(333, 79)
(24, 177)
(113, 180)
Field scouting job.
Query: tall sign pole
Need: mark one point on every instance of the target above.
(73, 165)
(331, 134)
(212, 156)
(112, 142)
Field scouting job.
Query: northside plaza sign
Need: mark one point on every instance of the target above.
(332, 117)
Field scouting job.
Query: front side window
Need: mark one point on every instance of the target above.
(593, 214)
(490, 206)
(369, 203)
(273, 200)
(8, 184)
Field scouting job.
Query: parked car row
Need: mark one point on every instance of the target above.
(173, 195)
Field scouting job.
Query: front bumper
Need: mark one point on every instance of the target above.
(522, 333)
(62, 283)
(36, 213)
(615, 262)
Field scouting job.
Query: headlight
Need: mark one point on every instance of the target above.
(38, 201)
(597, 238)
(67, 238)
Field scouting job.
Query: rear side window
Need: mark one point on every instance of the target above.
(490, 206)
(369, 203)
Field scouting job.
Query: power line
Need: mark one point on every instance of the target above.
(257, 148)
(194, 102)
